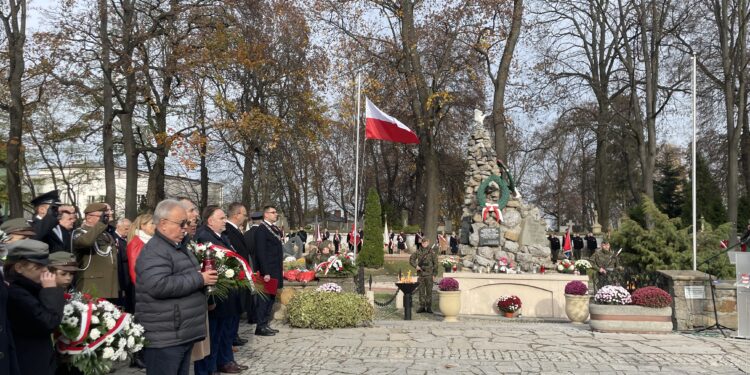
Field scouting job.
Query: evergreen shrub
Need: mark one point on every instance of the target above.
(323, 310)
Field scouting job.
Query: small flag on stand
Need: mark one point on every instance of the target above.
(567, 248)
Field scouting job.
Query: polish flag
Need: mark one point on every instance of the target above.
(379, 125)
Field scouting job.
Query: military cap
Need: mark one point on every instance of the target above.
(46, 198)
(95, 207)
(256, 215)
(17, 226)
(31, 250)
(63, 260)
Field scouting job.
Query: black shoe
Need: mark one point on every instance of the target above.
(137, 362)
(429, 311)
(238, 342)
(420, 310)
(264, 331)
(273, 329)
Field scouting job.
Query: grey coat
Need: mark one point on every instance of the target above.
(170, 300)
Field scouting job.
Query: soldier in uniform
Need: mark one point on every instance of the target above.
(604, 260)
(97, 253)
(425, 261)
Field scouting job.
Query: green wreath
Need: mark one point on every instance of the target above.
(504, 191)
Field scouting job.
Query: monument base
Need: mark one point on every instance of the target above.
(542, 295)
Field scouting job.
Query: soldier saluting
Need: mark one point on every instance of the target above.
(425, 261)
(96, 250)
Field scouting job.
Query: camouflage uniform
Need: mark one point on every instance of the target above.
(427, 260)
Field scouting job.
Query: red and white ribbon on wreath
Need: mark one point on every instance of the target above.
(245, 266)
(333, 261)
(71, 348)
(492, 208)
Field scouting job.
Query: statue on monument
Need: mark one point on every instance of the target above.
(479, 117)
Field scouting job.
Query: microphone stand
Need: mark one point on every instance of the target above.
(716, 325)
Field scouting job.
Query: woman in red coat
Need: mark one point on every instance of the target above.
(141, 231)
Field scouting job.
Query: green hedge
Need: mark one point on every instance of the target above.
(324, 310)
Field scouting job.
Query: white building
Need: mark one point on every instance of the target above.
(85, 184)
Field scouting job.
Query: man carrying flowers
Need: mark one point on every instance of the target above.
(425, 261)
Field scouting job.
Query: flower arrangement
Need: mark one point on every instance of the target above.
(448, 284)
(509, 303)
(448, 261)
(612, 295)
(94, 333)
(582, 265)
(339, 265)
(504, 265)
(330, 287)
(576, 287)
(651, 296)
(233, 270)
(566, 266)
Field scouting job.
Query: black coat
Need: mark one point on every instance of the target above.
(577, 242)
(45, 232)
(8, 361)
(34, 313)
(237, 241)
(249, 239)
(591, 242)
(232, 305)
(554, 243)
(269, 253)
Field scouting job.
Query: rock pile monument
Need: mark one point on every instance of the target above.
(496, 223)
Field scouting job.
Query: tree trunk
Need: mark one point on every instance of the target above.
(127, 110)
(499, 119)
(247, 175)
(15, 33)
(107, 134)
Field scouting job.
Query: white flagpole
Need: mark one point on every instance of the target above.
(356, 168)
(695, 198)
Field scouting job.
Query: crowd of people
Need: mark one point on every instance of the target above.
(143, 265)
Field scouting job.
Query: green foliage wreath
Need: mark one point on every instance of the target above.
(504, 191)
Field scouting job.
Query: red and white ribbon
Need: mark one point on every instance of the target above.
(492, 208)
(245, 266)
(71, 348)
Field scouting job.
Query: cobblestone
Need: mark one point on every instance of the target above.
(485, 347)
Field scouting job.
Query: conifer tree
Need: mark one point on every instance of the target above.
(371, 255)
(709, 205)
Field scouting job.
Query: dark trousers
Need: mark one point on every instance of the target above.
(250, 308)
(235, 325)
(263, 309)
(173, 360)
(221, 330)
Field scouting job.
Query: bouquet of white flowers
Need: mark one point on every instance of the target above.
(95, 333)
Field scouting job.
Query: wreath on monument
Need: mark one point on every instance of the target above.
(504, 191)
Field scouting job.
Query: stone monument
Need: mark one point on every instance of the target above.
(495, 222)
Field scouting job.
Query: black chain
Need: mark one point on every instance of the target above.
(389, 301)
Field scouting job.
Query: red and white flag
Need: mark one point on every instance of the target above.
(380, 125)
(567, 249)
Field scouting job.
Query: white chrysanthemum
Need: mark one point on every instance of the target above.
(110, 323)
(131, 342)
(73, 321)
(123, 355)
(94, 319)
(138, 348)
(122, 342)
(559, 267)
(229, 273)
(219, 255)
(68, 310)
(109, 340)
(95, 334)
(116, 314)
(108, 353)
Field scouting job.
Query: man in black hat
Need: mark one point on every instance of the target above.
(42, 204)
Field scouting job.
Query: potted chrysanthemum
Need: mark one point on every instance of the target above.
(577, 301)
(450, 299)
(508, 305)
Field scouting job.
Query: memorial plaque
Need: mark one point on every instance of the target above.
(489, 237)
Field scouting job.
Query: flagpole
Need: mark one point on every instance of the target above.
(356, 167)
(694, 187)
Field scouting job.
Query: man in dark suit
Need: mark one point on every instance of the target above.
(554, 245)
(269, 255)
(56, 231)
(577, 246)
(224, 317)
(236, 222)
(249, 240)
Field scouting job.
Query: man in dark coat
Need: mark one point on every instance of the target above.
(42, 204)
(223, 319)
(554, 245)
(591, 244)
(269, 254)
(170, 298)
(56, 229)
(236, 222)
(249, 240)
(577, 246)
(127, 290)
(337, 241)
(8, 361)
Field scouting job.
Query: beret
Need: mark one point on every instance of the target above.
(63, 260)
(95, 207)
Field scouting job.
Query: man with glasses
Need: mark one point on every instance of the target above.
(269, 255)
(97, 251)
(170, 297)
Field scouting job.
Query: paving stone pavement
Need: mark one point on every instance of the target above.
(485, 347)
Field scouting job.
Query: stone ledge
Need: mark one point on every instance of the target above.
(685, 275)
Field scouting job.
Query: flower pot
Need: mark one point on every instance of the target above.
(630, 319)
(577, 307)
(508, 314)
(450, 305)
(447, 269)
